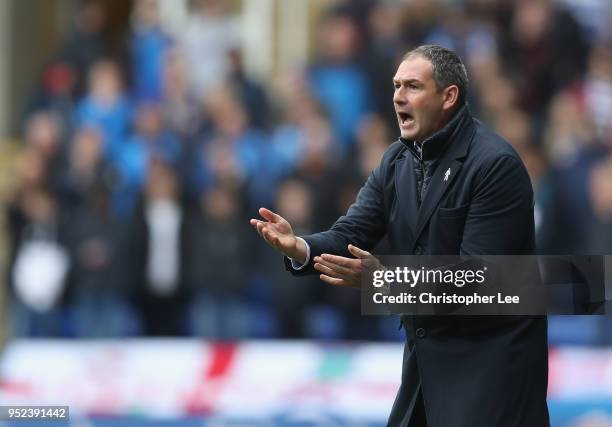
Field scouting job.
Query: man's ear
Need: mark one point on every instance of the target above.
(450, 96)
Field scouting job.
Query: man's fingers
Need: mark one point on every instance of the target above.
(334, 270)
(258, 225)
(260, 228)
(340, 260)
(270, 237)
(327, 270)
(269, 215)
(263, 231)
(357, 252)
(336, 267)
(332, 280)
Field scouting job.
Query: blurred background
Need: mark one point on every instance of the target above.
(138, 137)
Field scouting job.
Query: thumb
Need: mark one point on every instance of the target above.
(358, 253)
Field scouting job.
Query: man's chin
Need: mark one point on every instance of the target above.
(410, 136)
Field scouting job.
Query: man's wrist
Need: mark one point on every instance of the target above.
(295, 263)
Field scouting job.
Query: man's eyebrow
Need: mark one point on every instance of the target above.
(406, 81)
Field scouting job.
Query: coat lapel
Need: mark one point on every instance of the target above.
(447, 170)
(405, 189)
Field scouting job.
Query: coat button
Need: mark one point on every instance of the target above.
(419, 250)
(420, 332)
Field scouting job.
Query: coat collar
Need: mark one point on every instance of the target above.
(453, 134)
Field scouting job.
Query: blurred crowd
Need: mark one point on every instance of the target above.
(143, 160)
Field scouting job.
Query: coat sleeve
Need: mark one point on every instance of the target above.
(363, 225)
(500, 218)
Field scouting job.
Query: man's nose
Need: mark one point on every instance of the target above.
(399, 98)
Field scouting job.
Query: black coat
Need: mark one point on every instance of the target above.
(488, 371)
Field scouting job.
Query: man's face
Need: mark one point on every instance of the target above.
(419, 105)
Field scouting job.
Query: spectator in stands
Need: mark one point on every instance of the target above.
(573, 149)
(157, 245)
(150, 141)
(547, 51)
(338, 80)
(87, 43)
(541, 177)
(465, 33)
(597, 91)
(234, 153)
(515, 127)
(208, 37)
(317, 168)
(295, 305)
(149, 48)
(298, 112)
(250, 92)
(218, 301)
(43, 133)
(56, 93)
(418, 17)
(106, 107)
(382, 52)
(98, 287)
(151, 134)
(85, 167)
(600, 192)
(182, 110)
(38, 261)
(373, 138)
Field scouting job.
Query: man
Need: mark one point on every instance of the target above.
(449, 185)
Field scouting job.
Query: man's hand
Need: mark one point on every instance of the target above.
(342, 271)
(277, 232)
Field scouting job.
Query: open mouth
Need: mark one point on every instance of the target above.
(404, 118)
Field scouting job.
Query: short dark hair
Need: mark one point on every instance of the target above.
(448, 69)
